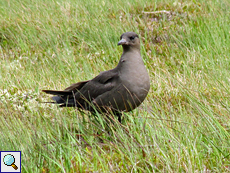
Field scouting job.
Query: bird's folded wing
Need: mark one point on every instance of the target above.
(102, 83)
(107, 76)
(119, 98)
(76, 86)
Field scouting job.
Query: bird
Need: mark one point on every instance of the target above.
(122, 88)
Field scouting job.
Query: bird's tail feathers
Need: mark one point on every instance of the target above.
(49, 102)
(61, 97)
(59, 93)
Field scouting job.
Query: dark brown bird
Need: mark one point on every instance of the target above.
(121, 89)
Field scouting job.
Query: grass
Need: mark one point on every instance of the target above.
(182, 126)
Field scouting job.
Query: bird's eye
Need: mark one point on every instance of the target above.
(132, 37)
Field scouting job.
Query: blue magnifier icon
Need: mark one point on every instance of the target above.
(9, 160)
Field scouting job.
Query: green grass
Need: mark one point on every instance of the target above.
(182, 126)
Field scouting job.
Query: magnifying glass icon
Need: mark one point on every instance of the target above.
(9, 160)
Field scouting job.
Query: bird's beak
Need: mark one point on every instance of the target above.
(122, 41)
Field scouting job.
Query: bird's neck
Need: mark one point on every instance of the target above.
(133, 55)
(129, 58)
(130, 48)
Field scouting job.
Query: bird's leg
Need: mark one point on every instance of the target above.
(118, 114)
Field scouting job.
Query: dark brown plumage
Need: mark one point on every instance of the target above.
(121, 89)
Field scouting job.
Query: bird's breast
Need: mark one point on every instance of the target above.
(136, 80)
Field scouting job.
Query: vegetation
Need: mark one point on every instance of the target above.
(183, 125)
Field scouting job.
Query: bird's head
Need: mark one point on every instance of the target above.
(129, 39)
